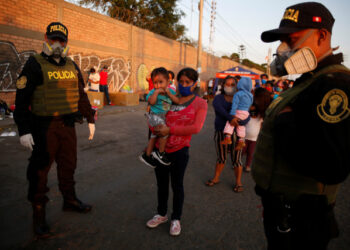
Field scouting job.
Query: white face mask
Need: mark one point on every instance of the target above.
(55, 50)
(229, 90)
(290, 61)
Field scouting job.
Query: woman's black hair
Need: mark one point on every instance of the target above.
(189, 73)
(171, 73)
(224, 82)
(160, 71)
(264, 97)
(92, 70)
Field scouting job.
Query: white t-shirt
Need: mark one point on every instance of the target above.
(218, 91)
(95, 77)
(253, 128)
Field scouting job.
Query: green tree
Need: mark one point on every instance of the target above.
(234, 57)
(159, 16)
(252, 64)
(188, 41)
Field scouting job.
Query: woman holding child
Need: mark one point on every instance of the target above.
(222, 105)
(184, 119)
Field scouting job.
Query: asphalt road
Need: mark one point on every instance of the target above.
(123, 193)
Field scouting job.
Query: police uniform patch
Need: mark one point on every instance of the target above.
(275, 102)
(334, 106)
(21, 82)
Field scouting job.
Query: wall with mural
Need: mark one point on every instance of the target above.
(95, 40)
(11, 64)
(119, 70)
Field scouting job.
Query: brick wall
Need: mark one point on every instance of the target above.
(94, 40)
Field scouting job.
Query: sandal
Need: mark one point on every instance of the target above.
(210, 183)
(238, 189)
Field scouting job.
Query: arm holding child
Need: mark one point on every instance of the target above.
(235, 101)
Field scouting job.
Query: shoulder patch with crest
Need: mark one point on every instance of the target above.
(21, 82)
(334, 106)
(275, 102)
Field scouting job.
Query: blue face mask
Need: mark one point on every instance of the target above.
(263, 81)
(278, 89)
(185, 91)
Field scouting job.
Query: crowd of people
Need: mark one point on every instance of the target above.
(296, 179)
(275, 87)
(166, 107)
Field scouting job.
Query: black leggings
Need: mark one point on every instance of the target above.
(176, 172)
(223, 150)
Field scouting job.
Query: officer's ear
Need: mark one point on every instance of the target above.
(323, 36)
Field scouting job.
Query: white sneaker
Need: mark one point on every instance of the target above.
(175, 228)
(12, 133)
(156, 221)
(4, 134)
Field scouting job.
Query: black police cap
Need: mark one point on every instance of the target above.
(308, 15)
(57, 30)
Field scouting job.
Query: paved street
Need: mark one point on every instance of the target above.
(123, 192)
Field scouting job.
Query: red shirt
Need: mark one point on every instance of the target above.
(150, 84)
(184, 123)
(103, 78)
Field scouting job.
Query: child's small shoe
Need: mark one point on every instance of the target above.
(240, 145)
(227, 140)
(148, 160)
(161, 157)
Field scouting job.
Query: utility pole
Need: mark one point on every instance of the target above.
(268, 63)
(199, 49)
(241, 49)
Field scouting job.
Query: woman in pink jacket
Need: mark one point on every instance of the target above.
(182, 121)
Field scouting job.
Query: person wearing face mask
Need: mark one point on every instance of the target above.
(222, 105)
(50, 98)
(264, 79)
(182, 121)
(302, 152)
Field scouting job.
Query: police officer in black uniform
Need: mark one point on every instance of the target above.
(302, 152)
(50, 98)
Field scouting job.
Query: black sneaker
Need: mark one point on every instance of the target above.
(148, 160)
(161, 157)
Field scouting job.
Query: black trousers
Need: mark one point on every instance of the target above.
(310, 219)
(175, 172)
(54, 141)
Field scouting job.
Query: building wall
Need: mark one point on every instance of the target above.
(94, 40)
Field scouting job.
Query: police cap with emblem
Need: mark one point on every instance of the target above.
(57, 30)
(308, 15)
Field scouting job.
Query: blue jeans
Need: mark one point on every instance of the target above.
(104, 89)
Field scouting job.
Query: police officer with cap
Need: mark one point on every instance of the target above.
(302, 152)
(50, 98)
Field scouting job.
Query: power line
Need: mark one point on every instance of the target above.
(235, 32)
(244, 41)
(222, 32)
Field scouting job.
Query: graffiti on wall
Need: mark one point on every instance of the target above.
(11, 65)
(119, 70)
(12, 62)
